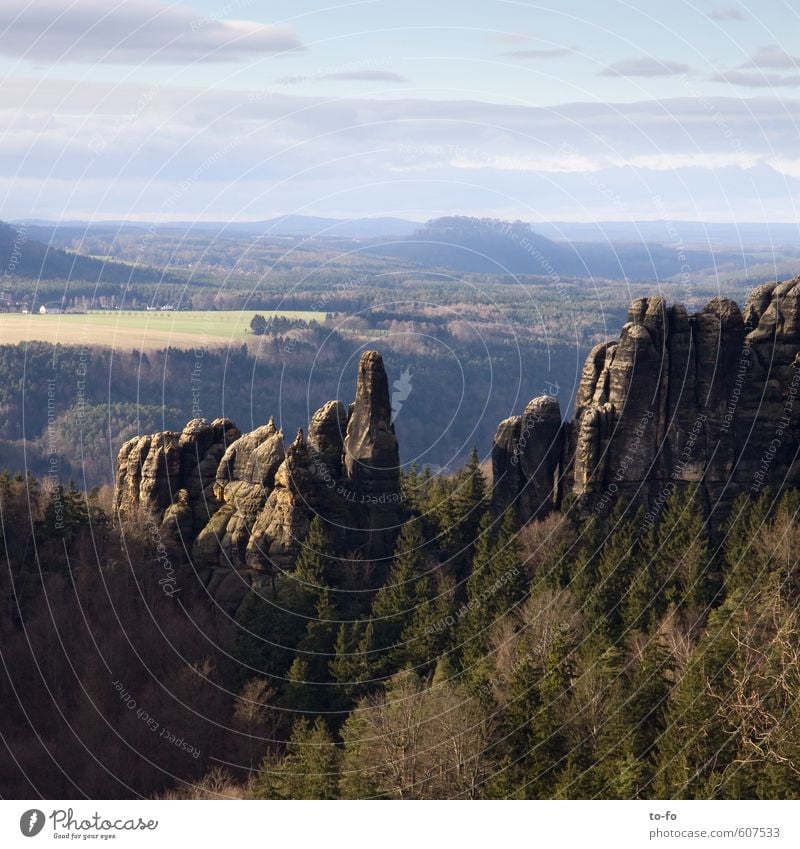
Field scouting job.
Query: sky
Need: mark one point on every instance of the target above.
(244, 110)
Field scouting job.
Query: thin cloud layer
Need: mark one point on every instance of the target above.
(367, 76)
(360, 75)
(758, 79)
(177, 152)
(135, 32)
(645, 66)
(541, 53)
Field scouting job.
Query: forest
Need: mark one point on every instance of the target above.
(578, 657)
(583, 655)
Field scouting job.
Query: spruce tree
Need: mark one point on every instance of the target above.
(619, 563)
(315, 569)
(683, 558)
(308, 770)
(431, 631)
(466, 507)
(696, 745)
(409, 585)
(497, 585)
(743, 566)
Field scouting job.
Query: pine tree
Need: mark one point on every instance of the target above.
(532, 743)
(743, 567)
(314, 569)
(465, 509)
(547, 756)
(310, 675)
(696, 746)
(268, 630)
(409, 585)
(410, 486)
(298, 692)
(497, 585)
(431, 631)
(514, 734)
(308, 770)
(619, 562)
(357, 666)
(646, 704)
(583, 572)
(683, 558)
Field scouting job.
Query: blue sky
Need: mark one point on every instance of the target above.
(235, 109)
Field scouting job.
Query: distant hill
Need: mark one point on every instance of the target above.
(356, 228)
(303, 226)
(731, 235)
(491, 246)
(643, 251)
(24, 256)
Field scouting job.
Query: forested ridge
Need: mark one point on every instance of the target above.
(577, 657)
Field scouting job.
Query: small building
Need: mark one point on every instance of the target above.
(50, 309)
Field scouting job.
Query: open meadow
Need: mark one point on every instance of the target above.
(138, 329)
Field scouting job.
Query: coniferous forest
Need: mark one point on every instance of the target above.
(570, 658)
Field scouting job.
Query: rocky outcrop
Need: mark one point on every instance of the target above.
(282, 525)
(526, 456)
(326, 433)
(708, 399)
(240, 505)
(372, 459)
(371, 454)
(168, 478)
(244, 479)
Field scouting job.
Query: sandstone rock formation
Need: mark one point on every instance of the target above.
(372, 459)
(239, 506)
(709, 399)
(525, 459)
(169, 477)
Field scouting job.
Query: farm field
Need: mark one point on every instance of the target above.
(140, 330)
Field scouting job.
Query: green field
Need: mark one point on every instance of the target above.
(140, 330)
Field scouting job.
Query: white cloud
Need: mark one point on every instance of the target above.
(730, 13)
(645, 66)
(775, 57)
(512, 38)
(134, 31)
(790, 167)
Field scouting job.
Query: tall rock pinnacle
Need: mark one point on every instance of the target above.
(371, 456)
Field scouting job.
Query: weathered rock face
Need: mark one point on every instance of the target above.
(244, 478)
(372, 460)
(169, 477)
(371, 456)
(326, 433)
(709, 399)
(526, 456)
(283, 524)
(241, 505)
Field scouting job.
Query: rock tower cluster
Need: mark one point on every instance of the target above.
(709, 399)
(238, 506)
